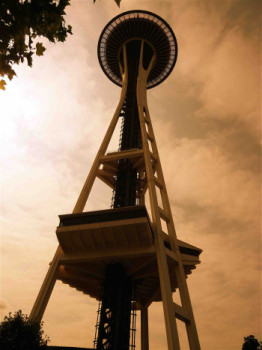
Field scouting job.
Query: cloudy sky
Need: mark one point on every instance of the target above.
(207, 126)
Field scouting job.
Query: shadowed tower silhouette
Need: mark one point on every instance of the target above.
(128, 256)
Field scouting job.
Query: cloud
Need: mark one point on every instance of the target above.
(198, 171)
(232, 82)
(3, 305)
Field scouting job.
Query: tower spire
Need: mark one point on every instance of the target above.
(130, 251)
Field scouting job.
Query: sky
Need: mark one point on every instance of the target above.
(206, 118)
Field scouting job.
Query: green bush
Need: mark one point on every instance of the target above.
(250, 343)
(19, 333)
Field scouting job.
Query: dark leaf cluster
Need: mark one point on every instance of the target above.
(19, 333)
(22, 22)
(251, 343)
(116, 1)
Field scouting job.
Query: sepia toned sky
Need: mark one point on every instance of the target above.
(206, 118)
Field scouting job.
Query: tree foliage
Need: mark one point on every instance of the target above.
(19, 333)
(116, 1)
(251, 343)
(22, 23)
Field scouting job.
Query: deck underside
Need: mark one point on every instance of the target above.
(90, 241)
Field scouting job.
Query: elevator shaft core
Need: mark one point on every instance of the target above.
(126, 182)
(114, 327)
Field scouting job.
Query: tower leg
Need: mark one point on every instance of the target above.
(167, 299)
(46, 289)
(164, 278)
(49, 281)
(185, 298)
(144, 329)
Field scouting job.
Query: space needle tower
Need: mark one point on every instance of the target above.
(128, 256)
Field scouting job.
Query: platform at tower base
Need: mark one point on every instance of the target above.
(92, 240)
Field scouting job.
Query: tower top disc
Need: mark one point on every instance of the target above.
(138, 24)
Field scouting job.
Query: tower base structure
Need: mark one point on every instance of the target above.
(93, 240)
(136, 242)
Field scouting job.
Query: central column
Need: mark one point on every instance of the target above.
(114, 327)
(126, 182)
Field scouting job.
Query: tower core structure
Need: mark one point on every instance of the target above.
(128, 256)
